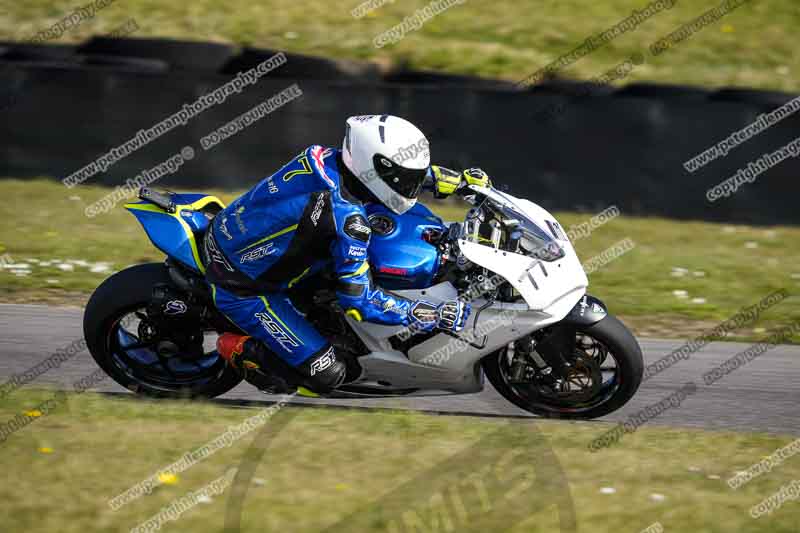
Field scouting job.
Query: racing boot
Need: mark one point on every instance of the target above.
(247, 355)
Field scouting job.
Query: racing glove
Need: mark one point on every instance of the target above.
(445, 181)
(476, 176)
(450, 316)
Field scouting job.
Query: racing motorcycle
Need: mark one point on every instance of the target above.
(543, 343)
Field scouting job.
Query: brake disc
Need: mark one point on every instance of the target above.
(579, 382)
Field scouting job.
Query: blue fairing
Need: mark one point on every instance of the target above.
(402, 259)
(176, 234)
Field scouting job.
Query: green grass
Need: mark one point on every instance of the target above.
(752, 47)
(638, 285)
(321, 465)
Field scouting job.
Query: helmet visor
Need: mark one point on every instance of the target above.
(406, 182)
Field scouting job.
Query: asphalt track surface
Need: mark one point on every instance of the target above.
(763, 395)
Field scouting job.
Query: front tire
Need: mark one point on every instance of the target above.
(610, 333)
(127, 293)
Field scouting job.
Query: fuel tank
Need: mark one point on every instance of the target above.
(400, 255)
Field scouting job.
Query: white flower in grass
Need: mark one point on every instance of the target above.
(680, 294)
(698, 300)
(608, 490)
(656, 497)
(751, 244)
(66, 267)
(100, 268)
(678, 272)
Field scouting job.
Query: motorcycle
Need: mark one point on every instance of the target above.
(544, 344)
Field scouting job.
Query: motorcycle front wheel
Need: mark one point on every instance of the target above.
(604, 372)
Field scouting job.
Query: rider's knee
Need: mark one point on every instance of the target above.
(323, 371)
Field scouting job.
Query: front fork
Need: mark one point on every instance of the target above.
(552, 348)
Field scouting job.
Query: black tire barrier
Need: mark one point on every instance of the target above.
(437, 79)
(603, 147)
(126, 64)
(37, 52)
(662, 92)
(179, 55)
(299, 66)
(40, 55)
(570, 88)
(768, 99)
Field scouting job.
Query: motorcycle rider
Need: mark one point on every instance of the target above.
(309, 216)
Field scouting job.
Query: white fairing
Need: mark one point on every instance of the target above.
(552, 287)
(393, 138)
(550, 290)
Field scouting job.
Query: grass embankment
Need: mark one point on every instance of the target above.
(750, 47)
(681, 278)
(322, 465)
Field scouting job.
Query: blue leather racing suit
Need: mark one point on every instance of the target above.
(291, 225)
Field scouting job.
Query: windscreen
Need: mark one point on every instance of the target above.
(534, 241)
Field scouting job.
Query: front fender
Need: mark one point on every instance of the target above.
(589, 310)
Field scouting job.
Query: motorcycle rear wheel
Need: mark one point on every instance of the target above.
(130, 361)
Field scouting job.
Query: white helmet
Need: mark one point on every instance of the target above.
(389, 155)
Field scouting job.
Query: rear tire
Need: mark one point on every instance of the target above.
(119, 295)
(627, 353)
